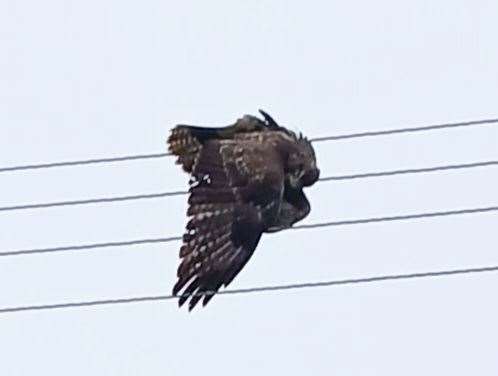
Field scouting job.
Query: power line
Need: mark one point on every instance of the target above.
(176, 193)
(85, 162)
(398, 217)
(294, 286)
(406, 130)
(91, 201)
(89, 246)
(412, 171)
(299, 227)
(316, 139)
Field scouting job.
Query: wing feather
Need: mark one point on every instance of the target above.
(229, 208)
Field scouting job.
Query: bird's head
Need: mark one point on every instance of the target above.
(302, 164)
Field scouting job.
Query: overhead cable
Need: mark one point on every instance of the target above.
(359, 221)
(316, 139)
(251, 290)
(180, 192)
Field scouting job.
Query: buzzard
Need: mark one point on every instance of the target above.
(246, 179)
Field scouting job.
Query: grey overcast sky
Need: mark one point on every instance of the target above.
(82, 79)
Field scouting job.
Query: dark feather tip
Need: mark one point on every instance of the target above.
(269, 120)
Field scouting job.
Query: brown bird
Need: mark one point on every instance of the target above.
(246, 179)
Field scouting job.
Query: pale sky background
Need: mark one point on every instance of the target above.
(82, 79)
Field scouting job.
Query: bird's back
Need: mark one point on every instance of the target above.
(186, 141)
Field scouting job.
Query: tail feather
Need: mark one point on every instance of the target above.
(185, 141)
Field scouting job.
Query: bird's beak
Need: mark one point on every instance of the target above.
(310, 177)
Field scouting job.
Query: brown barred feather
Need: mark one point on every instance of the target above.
(189, 290)
(239, 177)
(184, 146)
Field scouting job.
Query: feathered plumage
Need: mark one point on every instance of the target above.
(246, 179)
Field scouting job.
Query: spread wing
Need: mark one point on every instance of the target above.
(235, 195)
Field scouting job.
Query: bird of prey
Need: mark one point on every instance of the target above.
(246, 179)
